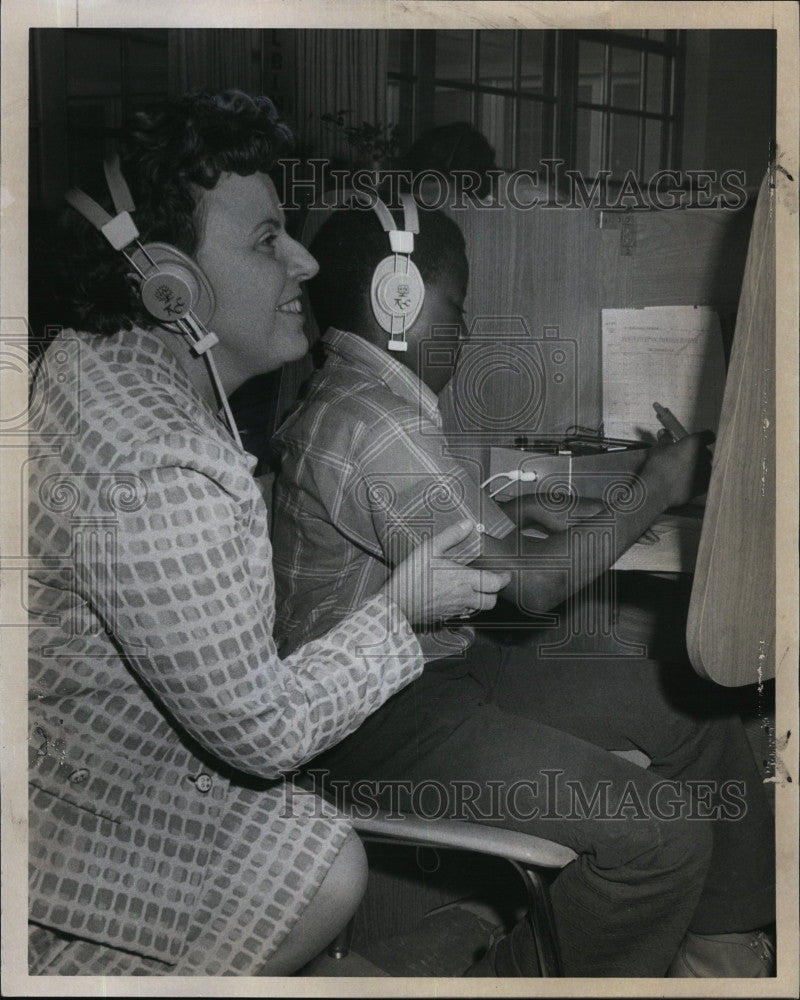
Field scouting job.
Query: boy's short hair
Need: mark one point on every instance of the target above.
(168, 154)
(349, 246)
(457, 146)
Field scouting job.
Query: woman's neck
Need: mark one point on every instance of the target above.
(193, 365)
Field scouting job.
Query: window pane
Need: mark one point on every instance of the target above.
(497, 124)
(655, 82)
(624, 144)
(669, 95)
(670, 140)
(453, 55)
(591, 71)
(496, 58)
(589, 141)
(631, 31)
(626, 75)
(532, 146)
(656, 36)
(652, 149)
(451, 106)
(531, 54)
(401, 50)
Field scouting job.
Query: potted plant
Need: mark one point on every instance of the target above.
(371, 145)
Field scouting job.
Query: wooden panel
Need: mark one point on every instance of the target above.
(731, 625)
(693, 257)
(542, 265)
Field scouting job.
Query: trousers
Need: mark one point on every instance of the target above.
(504, 736)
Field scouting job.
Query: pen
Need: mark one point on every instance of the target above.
(668, 420)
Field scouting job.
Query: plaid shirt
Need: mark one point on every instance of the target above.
(366, 475)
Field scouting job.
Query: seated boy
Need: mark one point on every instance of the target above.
(365, 473)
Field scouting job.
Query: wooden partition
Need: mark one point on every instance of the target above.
(731, 624)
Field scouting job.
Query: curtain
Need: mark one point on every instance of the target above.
(215, 59)
(337, 70)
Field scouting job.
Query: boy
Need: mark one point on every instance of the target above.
(365, 473)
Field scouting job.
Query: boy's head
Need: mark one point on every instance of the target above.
(457, 146)
(171, 157)
(350, 245)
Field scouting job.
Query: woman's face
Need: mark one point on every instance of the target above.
(256, 270)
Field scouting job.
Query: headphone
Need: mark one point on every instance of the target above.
(397, 290)
(172, 287)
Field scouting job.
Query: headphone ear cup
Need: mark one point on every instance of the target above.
(396, 294)
(175, 286)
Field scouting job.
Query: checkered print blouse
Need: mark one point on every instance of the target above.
(156, 692)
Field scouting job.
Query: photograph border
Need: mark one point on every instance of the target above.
(18, 16)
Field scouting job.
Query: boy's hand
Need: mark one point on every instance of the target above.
(682, 469)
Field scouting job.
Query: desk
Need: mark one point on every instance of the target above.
(672, 544)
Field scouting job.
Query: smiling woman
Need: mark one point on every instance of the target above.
(256, 272)
(162, 718)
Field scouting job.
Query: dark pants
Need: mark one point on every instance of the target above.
(505, 737)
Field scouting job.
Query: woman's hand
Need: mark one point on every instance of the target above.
(427, 586)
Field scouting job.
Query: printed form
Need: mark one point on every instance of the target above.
(672, 355)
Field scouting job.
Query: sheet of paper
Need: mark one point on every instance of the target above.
(672, 355)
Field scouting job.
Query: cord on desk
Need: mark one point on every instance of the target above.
(513, 476)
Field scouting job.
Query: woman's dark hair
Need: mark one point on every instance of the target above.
(457, 146)
(349, 246)
(166, 154)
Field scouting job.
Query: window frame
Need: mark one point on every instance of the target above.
(559, 98)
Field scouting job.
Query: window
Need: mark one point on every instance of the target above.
(624, 102)
(597, 100)
(87, 83)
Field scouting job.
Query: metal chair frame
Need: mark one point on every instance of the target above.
(527, 854)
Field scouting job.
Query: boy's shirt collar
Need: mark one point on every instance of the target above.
(343, 347)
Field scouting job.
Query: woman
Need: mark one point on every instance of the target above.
(162, 719)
